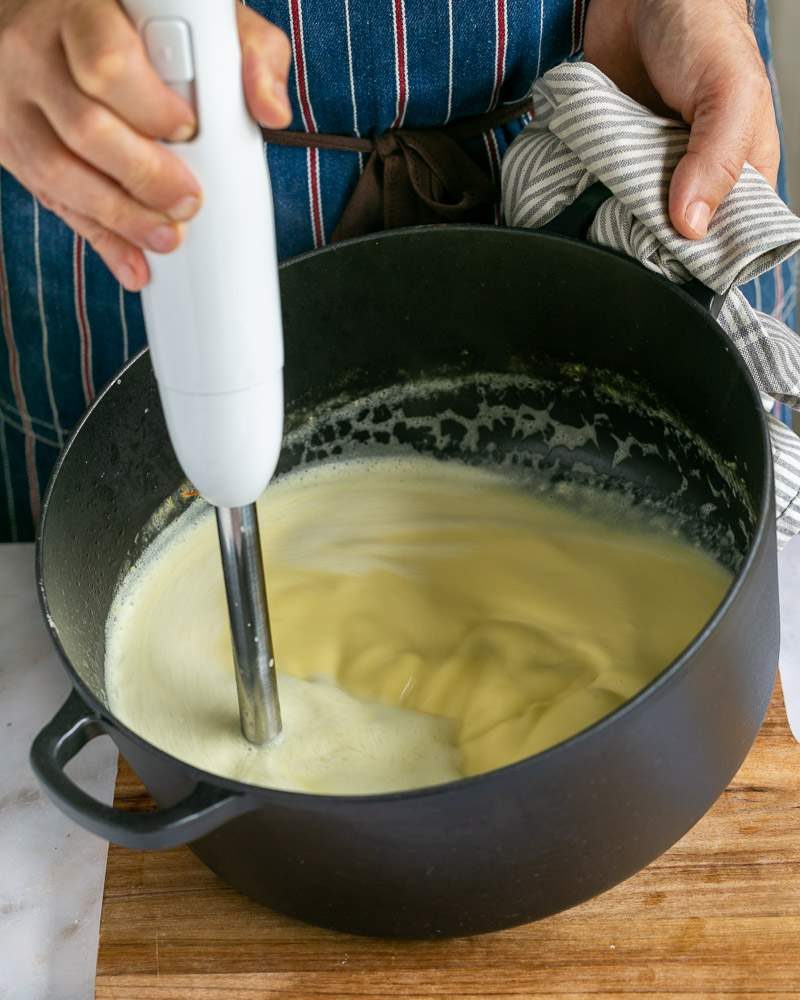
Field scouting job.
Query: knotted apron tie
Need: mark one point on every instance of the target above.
(413, 176)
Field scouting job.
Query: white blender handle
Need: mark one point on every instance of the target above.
(212, 307)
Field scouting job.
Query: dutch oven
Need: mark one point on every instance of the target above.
(497, 323)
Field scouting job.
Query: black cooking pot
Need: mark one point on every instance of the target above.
(599, 372)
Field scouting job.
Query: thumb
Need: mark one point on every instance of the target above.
(266, 54)
(719, 143)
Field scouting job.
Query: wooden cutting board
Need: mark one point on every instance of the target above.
(717, 915)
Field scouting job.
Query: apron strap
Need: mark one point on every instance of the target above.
(412, 176)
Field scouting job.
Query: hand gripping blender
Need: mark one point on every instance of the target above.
(213, 317)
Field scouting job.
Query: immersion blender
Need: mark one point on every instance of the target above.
(213, 317)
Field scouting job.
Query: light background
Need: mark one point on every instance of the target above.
(785, 23)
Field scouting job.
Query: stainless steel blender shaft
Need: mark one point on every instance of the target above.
(256, 683)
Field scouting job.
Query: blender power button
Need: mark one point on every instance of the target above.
(168, 41)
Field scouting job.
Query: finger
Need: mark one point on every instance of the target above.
(148, 171)
(126, 262)
(266, 55)
(108, 62)
(765, 154)
(719, 143)
(43, 164)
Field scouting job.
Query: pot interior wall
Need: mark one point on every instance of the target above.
(553, 360)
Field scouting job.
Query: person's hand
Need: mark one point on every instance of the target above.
(699, 59)
(80, 108)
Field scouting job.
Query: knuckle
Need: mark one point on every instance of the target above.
(101, 68)
(98, 238)
(746, 86)
(117, 213)
(143, 174)
(113, 214)
(91, 124)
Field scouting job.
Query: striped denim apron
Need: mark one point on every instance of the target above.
(359, 67)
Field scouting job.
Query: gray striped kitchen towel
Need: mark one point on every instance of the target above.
(586, 130)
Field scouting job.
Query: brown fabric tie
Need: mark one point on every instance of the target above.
(413, 176)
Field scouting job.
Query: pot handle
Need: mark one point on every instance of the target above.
(576, 219)
(73, 726)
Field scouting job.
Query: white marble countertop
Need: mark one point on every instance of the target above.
(51, 871)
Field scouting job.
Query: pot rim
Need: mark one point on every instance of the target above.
(545, 757)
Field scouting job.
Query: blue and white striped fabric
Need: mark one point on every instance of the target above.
(360, 66)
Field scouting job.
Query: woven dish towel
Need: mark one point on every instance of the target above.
(586, 130)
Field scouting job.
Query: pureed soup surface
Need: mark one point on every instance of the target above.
(430, 621)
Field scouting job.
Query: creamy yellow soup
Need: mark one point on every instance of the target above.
(430, 621)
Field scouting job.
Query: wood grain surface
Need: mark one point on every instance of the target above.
(718, 915)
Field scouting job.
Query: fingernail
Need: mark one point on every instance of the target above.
(183, 133)
(185, 209)
(698, 216)
(127, 277)
(162, 239)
